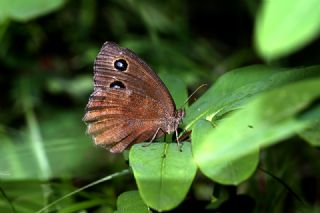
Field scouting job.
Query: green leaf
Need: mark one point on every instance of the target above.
(163, 173)
(177, 88)
(312, 134)
(227, 172)
(235, 88)
(283, 26)
(24, 10)
(131, 202)
(269, 118)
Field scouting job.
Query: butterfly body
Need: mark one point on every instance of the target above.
(130, 103)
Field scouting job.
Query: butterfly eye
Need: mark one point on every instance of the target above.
(121, 64)
(117, 85)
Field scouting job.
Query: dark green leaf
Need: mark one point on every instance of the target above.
(177, 88)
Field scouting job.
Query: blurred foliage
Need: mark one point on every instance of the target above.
(46, 57)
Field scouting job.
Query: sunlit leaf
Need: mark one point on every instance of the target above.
(237, 87)
(131, 202)
(163, 173)
(312, 134)
(227, 172)
(269, 118)
(24, 10)
(283, 26)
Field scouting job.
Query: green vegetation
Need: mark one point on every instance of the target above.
(254, 145)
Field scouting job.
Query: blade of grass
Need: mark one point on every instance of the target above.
(4, 195)
(123, 172)
(35, 137)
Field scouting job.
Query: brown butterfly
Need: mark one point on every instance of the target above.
(130, 104)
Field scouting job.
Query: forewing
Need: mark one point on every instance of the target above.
(138, 76)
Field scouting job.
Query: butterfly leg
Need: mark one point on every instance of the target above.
(178, 141)
(153, 137)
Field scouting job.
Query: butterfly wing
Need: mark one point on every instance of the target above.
(129, 103)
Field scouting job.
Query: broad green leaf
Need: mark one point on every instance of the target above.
(227, 172)
(237, 87)
(163, 173)
(131, 202)
(312, 134)
(24, 10)
(177, 88)
(269, 118)
(283, 26)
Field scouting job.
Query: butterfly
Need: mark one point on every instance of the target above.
(130, 103)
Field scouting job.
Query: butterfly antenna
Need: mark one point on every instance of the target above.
(190, 96)
(203, 85)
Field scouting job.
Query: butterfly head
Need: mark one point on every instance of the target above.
(174, 121)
